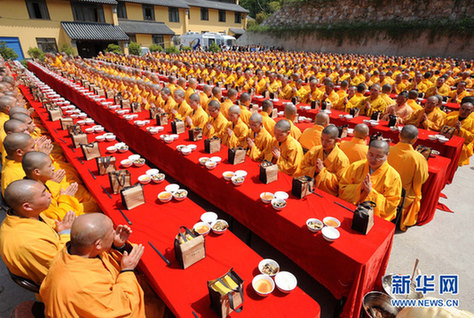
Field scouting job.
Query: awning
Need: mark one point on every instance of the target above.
(98, 1)
(145, 27)
(237, 31)
(216, 5)
(163, 3)
(94, 31)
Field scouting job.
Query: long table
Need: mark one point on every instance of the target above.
(183, 291)
(348, 267)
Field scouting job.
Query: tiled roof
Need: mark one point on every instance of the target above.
(93, 31)
(98, 1)
(216, 5)
(237, 30)
(164, 3)
(144, 27)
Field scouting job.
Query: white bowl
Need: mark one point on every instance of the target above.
(158, 178)
(168, 195)
(312, 221)
(180, 194)
(160, 128)
(144, 179)
(163, 136)
(134, 157)
(192, 147)
(153, 131)
(330, 234)
(210, 164)
(73, 116)
(268, 261)
(223, 223)
(443, 139)
(100, 138)
(432, 137)
(122, 148)
(237, 180)
(227, 175)
(151, 172)
(89, 130)
(81, 122)
(216, 159)
(330, 219)
(201, 227)
(122, 111)
(186, 151)
(278, 204)
(256, 283)
(241, 173)
(98, 128)
(112, 149)
(281, 195)
(90, 121)
(139, 123)
(203, 160)
(126, 163)
(139, 162)
(110, 137)
(265, 200)
(173, 187)
(168, 140)
(285, 281)
(209, 217)
(174, 136)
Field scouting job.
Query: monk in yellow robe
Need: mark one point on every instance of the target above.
(413, 170)
(412, 96)
(373, 103)
(329, 95)
(312, 136)
(29, 240)
(313, 94)
(400, 109)
(267, 111)
(182, 110)
(6, 102)
(373, 179)
(357, 98)
(457, 95)
(286, 152)
(192, 85)
(232, 97)
(204, 96)
(237, 131)
(386, 89)
(356, 148)
(259, 141)
(430, 117)
(168, 101)
(326, 162)
(290, 115)
(198, 117)
(94, 275)
(217, 124)
(463, 121)
(439, 88)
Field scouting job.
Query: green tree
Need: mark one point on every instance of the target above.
(134, 48)
(257, 6)
(6, 52)
(114, 48)
(214, 48)
(156, 48)
(36, 53)
(66, 48)
(172, 50)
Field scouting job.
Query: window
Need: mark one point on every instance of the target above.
(37, 9)
(157, 39)
(205, 14)
(121, 10)
(174, 14)
(47, 45)
(238, 18)
(221, 15)
(133, 37)
(87, 12)
(148, 12)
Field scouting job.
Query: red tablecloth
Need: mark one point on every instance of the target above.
(183, 291)
(348, 267)
(451, 149)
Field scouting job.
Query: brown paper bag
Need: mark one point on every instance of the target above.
(119, 179)
(354, 112)
(91, 151)
(79, 139)
(55, 113)
(109, 94)
(268, 172)
(105, 164)
(447, 131)
(162, 119)
(342, 131)
(195, 134)
(136, 107)
(236, 155)
(74, 130)
(66, 122)
(425, 151)
(189, 247)
(118, 98)
(125, 103)
(178, 126)
(132, 196)
(363, 218)
(274, 113)
(224, 304)
(302, 186)
(154, 112)
(212, 145)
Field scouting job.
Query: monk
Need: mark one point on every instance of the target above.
(312, 136)
(237, 131)
(356, 148)
(373, 103)
(29, 240)
(355, 100)
(6, 102)
(182, 110)
(204, 96)
(15, 126)
(267, 111)
(373, 179)
(192, 85)
(94, 274)
(413, 170)
(168, 103)
(217, 124)
(430, 117)
(386, 89)
(198, 117)
(326, 162)
(245, 105)
(287, 153)
(463, 122)
(259, 140)
(399, 109)
(232, 96)
(290, 115)
(412, 96)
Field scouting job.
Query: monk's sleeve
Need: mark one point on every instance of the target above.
(308, 164)
(349, 190)
(289, 161)
(331, 180)
(467, 135)
(387, 202)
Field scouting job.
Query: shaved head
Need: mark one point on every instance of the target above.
(14, 126)
(16, 141)
(409, 133)
(322, 119)
(19, 192)
(331, 131)
(283, 125)
(6, 102)
(194, 97)
(361, 131)
(234, 109)
(34, 160)
(20, 116)
(21, 110)
(380, 144)
(213, 104)
(88, 228)
(290, 111)
(256, 118)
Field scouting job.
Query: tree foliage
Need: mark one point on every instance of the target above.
(134, 48)
(114, 48)
(6, 52)
(261, 6)
(156, 48)
(36, 53)
(66, 48)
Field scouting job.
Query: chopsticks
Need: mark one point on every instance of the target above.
(161, 255)
(62, 140)
(80, 160)
(343, 206)
(195, 315)
(314, 192)
(92, 174)
(107, 192)
(125, 217)
(55, 130)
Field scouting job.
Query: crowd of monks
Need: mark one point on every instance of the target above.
(53, 234)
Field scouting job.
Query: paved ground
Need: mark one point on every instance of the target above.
(443, 246)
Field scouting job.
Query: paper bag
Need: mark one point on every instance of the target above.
(119, 179)
(132, 196)
(212, 145)
(236, 155)
(55, 113)
(105, 164)
(79, 139)
(109, 94)
(268, 172)
(274, 113)
(74, 130)
(342, 131)
(136, 107)
(392, 120)
(66, 122)
(178, 126)
(189, 247)
(363, 218)
(118, 98)
(154, 112)
(91, 151)
(226, 294)
(195, 134)
(302, 186)
(425, 151)
(376, 115)
(447, 131)
(125, 104)
(354, 112)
